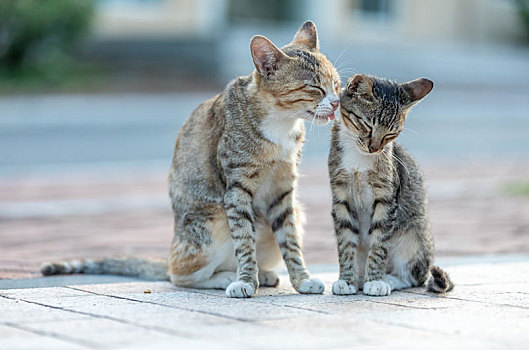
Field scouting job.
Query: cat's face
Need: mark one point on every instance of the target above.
(297, 79)
(373, 109)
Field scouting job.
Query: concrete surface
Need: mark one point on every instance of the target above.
(488, 309)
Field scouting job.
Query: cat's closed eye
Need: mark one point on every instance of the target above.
(316, 88)
(390, 136)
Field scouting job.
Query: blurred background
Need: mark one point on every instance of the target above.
(93, 93)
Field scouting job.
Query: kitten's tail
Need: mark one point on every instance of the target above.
(439, 282)
(152, 269)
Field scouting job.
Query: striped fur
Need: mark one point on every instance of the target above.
(245, 146)
(379, 200)
(152, 269)
(233, 177)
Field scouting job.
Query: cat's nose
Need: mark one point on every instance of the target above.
(372, 149)
(335, 104)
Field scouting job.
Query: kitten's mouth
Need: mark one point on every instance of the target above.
(323, 118)
(367, 153)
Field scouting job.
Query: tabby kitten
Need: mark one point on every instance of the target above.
(234, 173)
(379, 199)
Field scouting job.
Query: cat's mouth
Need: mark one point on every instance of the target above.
(320, 118)
(365, 152)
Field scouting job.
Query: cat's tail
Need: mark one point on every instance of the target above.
(152, 269)
(440, 281)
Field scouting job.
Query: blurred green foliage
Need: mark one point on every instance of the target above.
(523, 12)
(38, 37)
(518, 188)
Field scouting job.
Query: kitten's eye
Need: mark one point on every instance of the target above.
(390, 136)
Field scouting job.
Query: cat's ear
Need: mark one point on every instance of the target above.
(362, 86)
(417, 89)
(266, 56)
(307, 36)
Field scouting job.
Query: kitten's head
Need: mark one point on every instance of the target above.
(296, 79)
(374, 109)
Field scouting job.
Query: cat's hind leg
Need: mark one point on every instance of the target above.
(219, 280)
(409, 262)
(202, 250)
(268, 278)
(386, 285)
(268, 254)
(407, 266)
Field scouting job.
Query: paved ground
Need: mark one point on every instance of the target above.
(488, 309)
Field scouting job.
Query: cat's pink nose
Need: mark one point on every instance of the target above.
(372, 149)
(335, 104)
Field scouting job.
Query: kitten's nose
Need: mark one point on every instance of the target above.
(372, 149)
(335, 104)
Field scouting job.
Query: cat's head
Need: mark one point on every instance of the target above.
(373, 109)
(297, 80)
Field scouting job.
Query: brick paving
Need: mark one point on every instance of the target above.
(79, 215)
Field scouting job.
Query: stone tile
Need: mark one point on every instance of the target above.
(350, 331)
(50, 292)
(470, 320)
(15, 311)
(13, 338)
(103, 333)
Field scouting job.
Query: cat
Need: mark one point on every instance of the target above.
(379, 199)
(233, 177)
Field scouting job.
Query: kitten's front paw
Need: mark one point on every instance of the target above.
(377, 288)
(239, 289)
(342, 287)
(311, 286)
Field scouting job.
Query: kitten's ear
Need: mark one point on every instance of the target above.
(266, 56)
(417, 89)
(307, 36)
(361, 85)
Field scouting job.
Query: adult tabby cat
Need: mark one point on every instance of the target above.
(379, 200)
(233, 178)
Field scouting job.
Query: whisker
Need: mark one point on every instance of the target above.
(410, 130)
(340, 55)
(401, 162)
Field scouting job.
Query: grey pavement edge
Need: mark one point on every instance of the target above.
(70, 280)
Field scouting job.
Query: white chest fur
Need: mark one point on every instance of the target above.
(282, 129)
(352, 159)
(357, 165)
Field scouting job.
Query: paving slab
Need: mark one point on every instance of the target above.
(488, 309)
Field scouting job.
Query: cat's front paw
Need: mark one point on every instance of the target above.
(342, 287)
(311, 286)
(239, 289)
(377, 288)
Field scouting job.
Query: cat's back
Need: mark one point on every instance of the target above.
(412, 188)
(194, 167)
(201, 130)
(405, 163)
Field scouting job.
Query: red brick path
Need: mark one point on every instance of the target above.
(470, 214)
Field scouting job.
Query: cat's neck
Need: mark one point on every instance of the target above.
(283, 131)
(281, 127)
